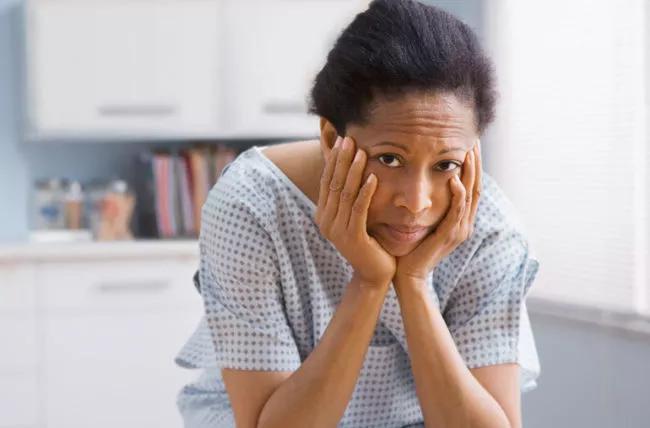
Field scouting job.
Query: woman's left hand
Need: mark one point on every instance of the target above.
(455, 228)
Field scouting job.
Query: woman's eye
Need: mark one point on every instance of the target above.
(449, 163)
(393, 161)
(388, 160)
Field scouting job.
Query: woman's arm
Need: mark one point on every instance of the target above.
(317, 394)
(449, 394)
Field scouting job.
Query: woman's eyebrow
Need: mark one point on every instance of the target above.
(390, 143)
(406, 149)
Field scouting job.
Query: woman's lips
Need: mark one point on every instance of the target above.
(405, 234)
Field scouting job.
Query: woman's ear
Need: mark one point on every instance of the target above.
(328, 135)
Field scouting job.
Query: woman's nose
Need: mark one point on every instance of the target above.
(414, 196)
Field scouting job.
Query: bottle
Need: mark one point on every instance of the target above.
(74, 198)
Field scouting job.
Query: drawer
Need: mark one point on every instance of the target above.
(18, 400)
(137, 285)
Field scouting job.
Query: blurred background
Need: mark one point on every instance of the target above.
(116, 117)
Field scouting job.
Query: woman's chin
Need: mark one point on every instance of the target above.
(396, 249)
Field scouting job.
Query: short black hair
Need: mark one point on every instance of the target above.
(397, 46)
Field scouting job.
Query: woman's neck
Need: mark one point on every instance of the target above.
(302, 162)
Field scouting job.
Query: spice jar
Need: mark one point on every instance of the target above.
(48, 209)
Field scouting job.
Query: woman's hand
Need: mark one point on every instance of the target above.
(455, 228)
(343, 211)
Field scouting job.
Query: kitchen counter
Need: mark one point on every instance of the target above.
(116, 250)
(84, 319)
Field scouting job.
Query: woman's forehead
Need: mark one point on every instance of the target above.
(436, 120)
(420, 106)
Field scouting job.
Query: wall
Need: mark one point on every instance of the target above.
(591, 376)
(13, 165)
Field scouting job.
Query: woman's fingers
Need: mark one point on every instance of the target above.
(453, 218)
(326, 177)
(351, 189)
(342, 204)
(469, 174)
(359, 212)
(477, 184)
(337, 182)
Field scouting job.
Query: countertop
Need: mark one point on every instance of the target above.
(72, 251)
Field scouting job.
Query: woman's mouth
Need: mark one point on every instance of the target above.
(405, 234)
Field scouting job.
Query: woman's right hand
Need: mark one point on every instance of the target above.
(342, 213)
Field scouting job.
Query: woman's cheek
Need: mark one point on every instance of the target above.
(444, 187)
(442, 197)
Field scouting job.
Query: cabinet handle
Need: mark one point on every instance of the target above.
(151, 286)
(284, 107)
(136, 110)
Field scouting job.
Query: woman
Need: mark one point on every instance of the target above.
(377, 279)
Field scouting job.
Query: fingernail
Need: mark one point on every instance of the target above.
(346, 143)
(337, 143)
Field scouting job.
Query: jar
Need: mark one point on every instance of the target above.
(111, 208)
(48, 206)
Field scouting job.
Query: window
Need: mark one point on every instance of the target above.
(570, 143)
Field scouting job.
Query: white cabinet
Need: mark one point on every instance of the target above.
(274, 49)
(122, 69)
(18, 400)
(18, 355)
(91, 340)
(177, 69)
(111, 332)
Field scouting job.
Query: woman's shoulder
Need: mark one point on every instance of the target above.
(256, 185)
(496, 211)
(499, 246)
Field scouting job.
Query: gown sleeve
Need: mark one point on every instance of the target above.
(486, 312)
(240, 285)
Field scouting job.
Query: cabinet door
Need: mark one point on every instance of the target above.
(18, 399)
(274, 50)
(111, 332)
(123, 68)
(18, 358)
(107, 371)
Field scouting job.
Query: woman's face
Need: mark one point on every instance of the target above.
(414, 143)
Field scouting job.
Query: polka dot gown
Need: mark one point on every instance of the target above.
(271, 283)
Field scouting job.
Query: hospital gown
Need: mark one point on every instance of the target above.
(270, 284)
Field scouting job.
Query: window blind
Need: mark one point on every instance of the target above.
(569, 145)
